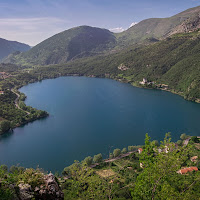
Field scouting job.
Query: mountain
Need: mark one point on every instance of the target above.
(7, 47)
(173, 61)
(159, 28)
(85, 41)
(70, 44)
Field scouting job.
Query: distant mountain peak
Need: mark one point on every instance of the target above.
(7, 47)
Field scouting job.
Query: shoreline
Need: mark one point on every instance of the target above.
(134, 84)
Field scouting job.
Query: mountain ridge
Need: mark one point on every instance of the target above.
(7, 47)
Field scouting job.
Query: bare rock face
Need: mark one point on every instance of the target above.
(50, 190)
(189, 25)
(25, 192)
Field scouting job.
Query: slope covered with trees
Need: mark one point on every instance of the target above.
(8, 47)
(70, 44)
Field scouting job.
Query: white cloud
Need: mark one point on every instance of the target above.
(117, 30)
(121, 29)
(30, 30)
(133, 24)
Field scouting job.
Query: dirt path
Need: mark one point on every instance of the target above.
(114, 159)
(185, 142)
(16, 102)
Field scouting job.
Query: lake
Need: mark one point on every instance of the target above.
(90, 116)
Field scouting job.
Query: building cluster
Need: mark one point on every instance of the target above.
(145, 82)
(160, 86)
(163, 86)
(184, 170)
(122, 67)
(4, 75)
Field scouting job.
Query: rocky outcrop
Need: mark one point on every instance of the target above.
(189, 25)
(25, 192)
(50, 190)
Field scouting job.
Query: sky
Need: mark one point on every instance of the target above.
(32, 21)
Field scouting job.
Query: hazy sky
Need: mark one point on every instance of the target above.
(32, 21)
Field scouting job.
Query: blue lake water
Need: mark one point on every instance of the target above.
(90, 116)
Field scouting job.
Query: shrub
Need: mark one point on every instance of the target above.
(124, 150)
(88, 160)
(116, 152)
(111, 156)
(98, 158)
(183, 136)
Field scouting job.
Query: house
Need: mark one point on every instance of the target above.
(166, 149)
(194, 158)
(140, 150)
(186, 170)
(1, 92)
(141, 165)
(122, 67)
(144, 81)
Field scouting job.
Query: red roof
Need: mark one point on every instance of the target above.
(140, 149)
(189, 169)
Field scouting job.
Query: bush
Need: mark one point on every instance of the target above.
(4, 126)
(116, 152)
(13, 169)
(195, 139)
(124, 150)
(88, 160)
(4, 168)
(183, 136)
(132, 148)
(98, 158)
(111, 156)
(180, 142)
(155, 142)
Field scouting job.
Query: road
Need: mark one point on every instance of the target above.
(17, 100)
(114, 159)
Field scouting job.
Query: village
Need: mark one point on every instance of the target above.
(145, 82)
(4, 75)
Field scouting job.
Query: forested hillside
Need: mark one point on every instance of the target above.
(70, 44)
(173, 61)
(8, 47)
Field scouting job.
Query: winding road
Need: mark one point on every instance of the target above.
(16, 101)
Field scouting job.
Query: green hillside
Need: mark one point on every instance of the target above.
(174, 61)
(159, 28)
(8, 47)
(67, 45)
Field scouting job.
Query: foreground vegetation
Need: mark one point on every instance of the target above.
(126, 178)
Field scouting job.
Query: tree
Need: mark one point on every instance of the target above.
(132, 148)
(4, 168)
(124, 150)
(159, 178)
(179, 142)
(111, 156)
(183, 136)
(98, 158)
(116, 152)
(88, 160)
(195, 139)
(156, 143)
(4, 126)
